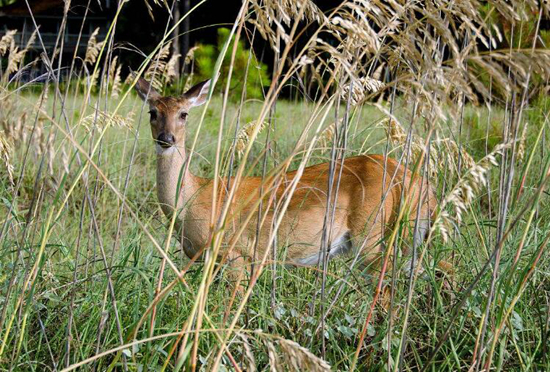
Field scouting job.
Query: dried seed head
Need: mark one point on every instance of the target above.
(465, 191)
(521, 143)
(247, 354)
(190, 56)
(102, 118)
(273, 357)
(113, 78)
(5, 155)
(15, 58)
(7, 42)
(327, 135)
(361, 87)
(157, 67)
(243, 136)
(395, 131)
(171, 70)
(272, 17)
(93, 48)
(300, 358)
(116, 86)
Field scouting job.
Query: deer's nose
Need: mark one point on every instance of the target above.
(166, 140)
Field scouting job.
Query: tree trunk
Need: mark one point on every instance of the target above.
(176, 41)
(185, 36)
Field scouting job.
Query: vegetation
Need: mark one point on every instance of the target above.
(91, 279)
(247, 71)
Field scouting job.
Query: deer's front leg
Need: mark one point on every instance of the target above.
(236, 270)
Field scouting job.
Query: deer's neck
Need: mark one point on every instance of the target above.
(175, 185)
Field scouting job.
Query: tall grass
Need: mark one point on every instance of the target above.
(91, 277)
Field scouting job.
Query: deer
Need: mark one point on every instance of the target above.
(366, 207)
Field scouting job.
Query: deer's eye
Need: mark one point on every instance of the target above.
(183, 116)
(153, 114)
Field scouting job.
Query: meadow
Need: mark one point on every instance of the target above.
(86, 275)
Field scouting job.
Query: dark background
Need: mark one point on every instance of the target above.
(140, 27)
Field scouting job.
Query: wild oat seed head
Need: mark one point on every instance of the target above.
(300, 358)
(243, 136)
(7, 42)
(157, 67)
(102, 119)
(5, 155)
(171, 71)
(93, 48)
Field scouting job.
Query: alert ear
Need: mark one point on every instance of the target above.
(197, 95)
(146, 91)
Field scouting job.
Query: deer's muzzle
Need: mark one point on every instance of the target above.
(166, 140)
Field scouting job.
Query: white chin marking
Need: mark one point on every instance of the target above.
(162, 151)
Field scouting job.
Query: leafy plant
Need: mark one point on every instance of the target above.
(253, 76)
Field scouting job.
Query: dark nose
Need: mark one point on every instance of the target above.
(166, 140)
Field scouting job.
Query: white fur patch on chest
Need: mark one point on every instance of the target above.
(338, 246)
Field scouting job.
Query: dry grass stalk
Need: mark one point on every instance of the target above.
(171, 72)
(398, 137)
(92, 52)
(93, 48)
(361, 87)
(188, 66)
(292, 356)
(155, 73)
(31, 40)
(446, 157)
(5, 155)
(190, 56)
(327, 135)
(16, 56)
(465, 191)
(7, 42)
(130, 78)
(247, 354)
(395, 131)
(271, 17)
(444, 153)
(46, 145)
(243, 137)
(189, 82)
(65, 159)
(102, 119)
(114, 77)
(16, 132)
(272, 354)
(521, 144)
(300, 358)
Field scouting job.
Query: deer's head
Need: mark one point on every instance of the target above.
(169, 114)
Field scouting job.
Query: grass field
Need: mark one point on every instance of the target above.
(67, 312)
(91, 279)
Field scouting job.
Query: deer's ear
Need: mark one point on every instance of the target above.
(146, 91)
(197, 95)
